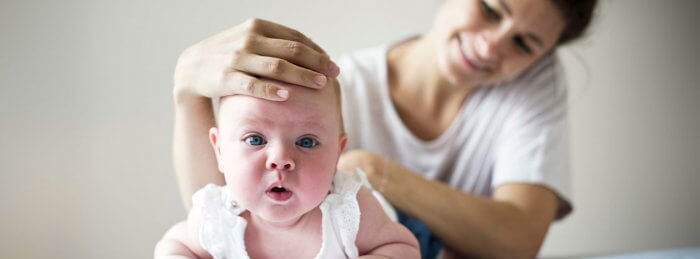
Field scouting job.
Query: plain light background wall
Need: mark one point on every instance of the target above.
(85, 107)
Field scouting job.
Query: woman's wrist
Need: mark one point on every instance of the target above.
(384, 174)
(184, 93)
(183, 97)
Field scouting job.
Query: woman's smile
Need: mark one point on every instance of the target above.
(469, 60)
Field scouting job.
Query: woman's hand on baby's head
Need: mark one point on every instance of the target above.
(237, 61)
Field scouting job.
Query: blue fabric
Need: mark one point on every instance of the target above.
(429, 244)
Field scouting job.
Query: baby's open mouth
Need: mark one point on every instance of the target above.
(279, 193)
(278, 189)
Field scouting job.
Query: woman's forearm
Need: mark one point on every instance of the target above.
(193, 157)
(473, 225)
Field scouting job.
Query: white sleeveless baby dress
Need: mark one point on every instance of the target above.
(222, 229)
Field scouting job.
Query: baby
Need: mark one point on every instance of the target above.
(283, 197)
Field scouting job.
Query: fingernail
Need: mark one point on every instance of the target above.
(320, 80)
(283, 94)
(334, 70)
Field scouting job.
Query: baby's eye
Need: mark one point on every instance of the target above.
(306, 142)
(255, 140)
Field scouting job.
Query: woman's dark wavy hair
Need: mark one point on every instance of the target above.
(577, 14)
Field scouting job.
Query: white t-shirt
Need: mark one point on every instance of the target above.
(512, 132)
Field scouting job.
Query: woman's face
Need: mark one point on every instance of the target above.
(487, 41)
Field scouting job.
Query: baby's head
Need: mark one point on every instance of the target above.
(279, 158)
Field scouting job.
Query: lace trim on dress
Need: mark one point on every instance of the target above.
(344, 210)
(222, 230)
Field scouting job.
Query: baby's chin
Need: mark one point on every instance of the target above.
(280, 215)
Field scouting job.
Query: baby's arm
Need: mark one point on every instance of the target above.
(182, 240)
(378, 236)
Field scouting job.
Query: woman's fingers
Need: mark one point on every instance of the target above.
(278, 69)
(267, 38)
(295, 52)
(243, 60)
(244, 84)
(278, 31)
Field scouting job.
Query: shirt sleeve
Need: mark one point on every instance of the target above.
(534, 144)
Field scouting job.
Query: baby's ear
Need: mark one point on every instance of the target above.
(343, 142)
(214, 139)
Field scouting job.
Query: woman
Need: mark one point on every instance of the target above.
(463, 129)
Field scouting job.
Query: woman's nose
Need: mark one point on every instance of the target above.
(280, 159)
(488, 45)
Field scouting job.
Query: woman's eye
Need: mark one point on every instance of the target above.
(307, 142)
(491, 14)
(520, 43)
(255, 140)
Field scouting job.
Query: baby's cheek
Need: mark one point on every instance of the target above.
(317, 192)
(245, 186)
(323, 179)
(235, 159)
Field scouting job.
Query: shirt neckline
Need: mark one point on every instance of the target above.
(393, 114)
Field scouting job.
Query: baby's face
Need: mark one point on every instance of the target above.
(279, 158)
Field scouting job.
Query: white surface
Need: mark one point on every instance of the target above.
(680, 253)
(85, 106)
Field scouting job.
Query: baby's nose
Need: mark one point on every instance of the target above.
(282, 165)
(280, 158)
